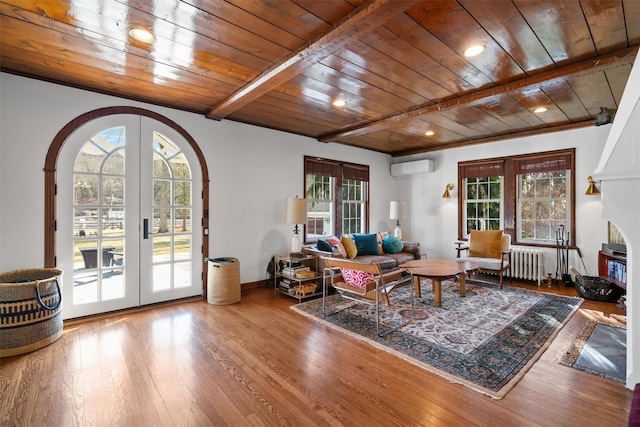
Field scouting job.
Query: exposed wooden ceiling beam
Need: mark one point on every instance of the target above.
(370, 14)
(601, 63)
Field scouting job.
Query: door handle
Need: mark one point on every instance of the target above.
(145, 228)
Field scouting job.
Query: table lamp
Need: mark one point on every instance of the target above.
(296, 213)
(397, 211)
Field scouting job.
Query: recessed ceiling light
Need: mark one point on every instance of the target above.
(429, 133)
(142, 35)
(540, 110)
(474, 50)
(339, 103)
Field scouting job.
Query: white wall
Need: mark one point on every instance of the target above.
(434, 220)
(252, 170)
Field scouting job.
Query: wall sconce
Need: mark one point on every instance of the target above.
(592, 190)
(448, 188)
(295, 213)
(397, 211)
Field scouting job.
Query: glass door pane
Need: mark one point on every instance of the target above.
(98, 190)
(98, 234)
(175, 268)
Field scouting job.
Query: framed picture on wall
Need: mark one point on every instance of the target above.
(616, 242)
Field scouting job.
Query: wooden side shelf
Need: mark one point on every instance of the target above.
(603, 267)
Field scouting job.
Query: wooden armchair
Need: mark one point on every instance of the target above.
(491, 250)
(364, 283)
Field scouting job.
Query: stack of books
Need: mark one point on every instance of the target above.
(291, 271)
(287, 286)
(617, 270)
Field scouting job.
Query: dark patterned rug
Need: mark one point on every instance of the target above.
(486, 341)
(599, 349)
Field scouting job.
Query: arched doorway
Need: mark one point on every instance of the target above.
(130, 227)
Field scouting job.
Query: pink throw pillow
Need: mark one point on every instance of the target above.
(356, 277)
(334, 241)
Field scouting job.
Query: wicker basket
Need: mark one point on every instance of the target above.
(223, 281)
(596, 288)
(30, 310)
(305, 289)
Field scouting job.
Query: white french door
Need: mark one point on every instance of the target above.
(170, 215)
(117, 175)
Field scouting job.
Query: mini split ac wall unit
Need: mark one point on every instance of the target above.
(412, 168)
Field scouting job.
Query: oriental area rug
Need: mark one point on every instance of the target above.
(486, 341)
(599, 349)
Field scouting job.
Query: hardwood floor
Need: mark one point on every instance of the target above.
(258, 363)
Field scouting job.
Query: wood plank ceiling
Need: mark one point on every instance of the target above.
(398, 65)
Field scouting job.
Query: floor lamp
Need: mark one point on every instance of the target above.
(397, 211)
(296, 213)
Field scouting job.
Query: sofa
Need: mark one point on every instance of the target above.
(387, 261)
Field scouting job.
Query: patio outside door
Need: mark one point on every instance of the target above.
(116, 175)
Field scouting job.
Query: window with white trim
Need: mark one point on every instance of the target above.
(353, 206)
(542, 197)
(530, 196)
(320, 202)
(337, 196)
(483, 203)
(482, 195)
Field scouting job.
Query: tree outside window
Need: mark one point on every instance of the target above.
(483, 202)
(542, 205)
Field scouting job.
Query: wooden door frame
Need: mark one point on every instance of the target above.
(50, 190)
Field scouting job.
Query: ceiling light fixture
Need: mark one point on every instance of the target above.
(142, 35)
(339, 103)
(540, 110)
(429, 133)
(474, 50)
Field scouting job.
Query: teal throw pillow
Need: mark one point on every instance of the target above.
(392, 245)
(324, 246)
(367, 244)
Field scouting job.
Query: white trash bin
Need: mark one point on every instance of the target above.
(223, 281)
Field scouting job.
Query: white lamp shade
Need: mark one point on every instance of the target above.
(397, 210)
(295, 211)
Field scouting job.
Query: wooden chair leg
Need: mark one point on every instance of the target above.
(502, 277)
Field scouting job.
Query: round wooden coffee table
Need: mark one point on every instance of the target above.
(438, 270)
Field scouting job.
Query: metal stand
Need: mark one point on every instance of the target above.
(562, 257)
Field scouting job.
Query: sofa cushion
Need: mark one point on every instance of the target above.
(324, 246)
(386, 262)
(402, 257)
(382, 235)
(334, 241)
(349, 246)
(484, 263)
(392, 245)
(485, 244)
(367, 244)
